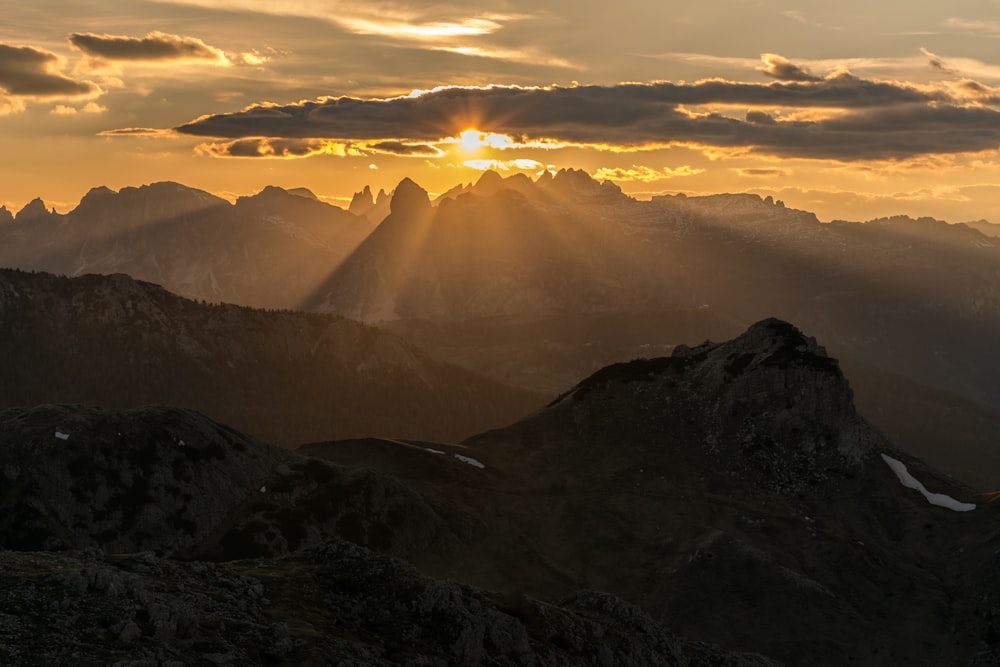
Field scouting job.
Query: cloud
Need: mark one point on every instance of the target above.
(30, 72)
(991, 28)
(762, 172)
(644, 174)
(139, 132)
(783, 69)
(404, 149)
(274, 148)
(156, 47)
(519, 164)
(432, 26)
(840, 117)
(88, 108)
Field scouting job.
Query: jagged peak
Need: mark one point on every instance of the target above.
(33, 210)
(489, 179)
(276, 191)
(409, 196)
(5, 215)
(362, 201)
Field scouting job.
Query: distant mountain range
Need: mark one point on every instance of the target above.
(535, 283)
(729, 493)
(269, 250)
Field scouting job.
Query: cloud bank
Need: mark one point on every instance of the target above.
(837, 117)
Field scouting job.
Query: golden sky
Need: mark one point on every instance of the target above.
(846, 109)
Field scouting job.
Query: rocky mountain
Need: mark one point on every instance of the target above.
(500, 254)
(507, 276)
(179, 488)
(268, 250)
(283, 376)
(372, 207)
(914, 298)
(729, 492)
(733, 491)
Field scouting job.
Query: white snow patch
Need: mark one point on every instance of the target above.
(263, 489)
(433, 451)
(62, 436)
(468, 459)
(939, 499)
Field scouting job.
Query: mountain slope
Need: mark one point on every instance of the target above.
(731, 489)
(268, 250)
(285, 377)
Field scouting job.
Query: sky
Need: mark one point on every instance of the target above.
(853, 110)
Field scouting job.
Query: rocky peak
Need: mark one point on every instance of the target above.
(33, 210)
(489, 182)
(94, 195)
(769, 407)
(362, 202)
(5, 215)
(305, 193)
(408, 197)
(577, 183)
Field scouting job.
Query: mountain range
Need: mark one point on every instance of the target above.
(287, 377)
(381, 452)
(918, 298)
(729, 493)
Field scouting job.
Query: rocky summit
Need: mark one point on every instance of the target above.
(712, 507)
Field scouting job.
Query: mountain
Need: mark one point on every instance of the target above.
(732, 490)
(505, 276)
(500, 254)
(885, 292)
(985, 227)
(268, 250)
(729, 492)
(285, 377)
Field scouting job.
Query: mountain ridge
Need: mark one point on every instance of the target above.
(730, 491)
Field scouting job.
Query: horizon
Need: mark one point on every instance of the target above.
(850, 112)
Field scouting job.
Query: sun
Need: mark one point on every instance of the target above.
(471, 141)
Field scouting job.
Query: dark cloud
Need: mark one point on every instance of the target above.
(783, 69)
(154, 47)
(28, 71)
(760, 117)
(869, 119)
(405, 149)
(137, 132)
(762, 172)
(268, 147)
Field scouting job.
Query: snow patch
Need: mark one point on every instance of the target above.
(433, 451)
(471, 461)
(263, 489)
(939, 499)
(62, 436)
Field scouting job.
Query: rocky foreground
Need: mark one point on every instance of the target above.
(727, 502)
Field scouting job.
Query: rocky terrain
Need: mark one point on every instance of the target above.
(282, 376)
(729, 493)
